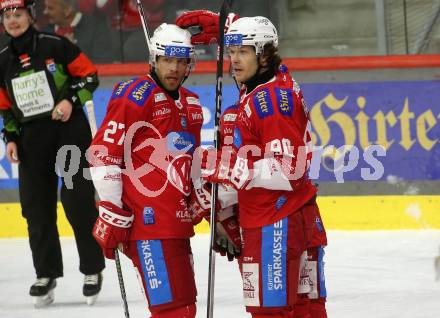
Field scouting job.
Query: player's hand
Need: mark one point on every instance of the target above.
(226, 167)
(12, 152)
(62, 111)
(200, 203)
(228, 237)
(112, 228)
(208, 23)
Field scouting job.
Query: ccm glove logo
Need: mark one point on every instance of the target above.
(202, 197)
(115, 219)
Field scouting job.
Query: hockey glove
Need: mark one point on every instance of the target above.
(112, 228)
(207, 21)
(226, 167)
(228, 240)
(200, 203)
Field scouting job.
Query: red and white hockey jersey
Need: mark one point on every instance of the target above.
(141, 156)
(273, 118)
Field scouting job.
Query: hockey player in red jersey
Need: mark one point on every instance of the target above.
(141, 159)
(311, 292)
(268, 166)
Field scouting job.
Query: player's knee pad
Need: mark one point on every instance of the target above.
(188, 311)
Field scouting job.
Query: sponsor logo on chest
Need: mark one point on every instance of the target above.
(161, 112)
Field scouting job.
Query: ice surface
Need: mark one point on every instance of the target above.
(378, 274)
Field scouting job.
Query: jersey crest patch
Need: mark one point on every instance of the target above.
(238, 140)
(148, 215)
(50, 65)
(139, 94)
(284, 101)
(263, 103)
(121, 89)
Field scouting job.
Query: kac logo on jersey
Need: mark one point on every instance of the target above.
(139, 94)
(233, 39)
(263, 103)
(148, 215)
(50, 65)
(284, 101)
(177, 51)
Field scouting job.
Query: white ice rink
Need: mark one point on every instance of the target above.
(386, 274)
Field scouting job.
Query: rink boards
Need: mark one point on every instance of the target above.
(338, 213)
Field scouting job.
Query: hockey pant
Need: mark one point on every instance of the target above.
(311, 300)
(312, 291)
(165, 269)
(38, 188)
(270, 265)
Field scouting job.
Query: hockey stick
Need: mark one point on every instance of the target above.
(224, 11)
(93, 128)
(90, 108)
(144, 22)
(121, 283)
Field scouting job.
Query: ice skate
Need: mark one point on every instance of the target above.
(92, 287)
(42, 291)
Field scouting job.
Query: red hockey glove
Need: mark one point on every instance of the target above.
(228, 240)
(226, 167)
(207, 21)
(112, 228)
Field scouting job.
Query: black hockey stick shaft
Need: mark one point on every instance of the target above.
(121, 283)
(224, 11)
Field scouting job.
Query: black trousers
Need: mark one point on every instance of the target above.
(38, 187)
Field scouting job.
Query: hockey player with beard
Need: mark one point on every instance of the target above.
(141, 160)
(268, 166)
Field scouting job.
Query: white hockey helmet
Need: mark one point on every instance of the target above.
(172, 41)
(255, 31)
